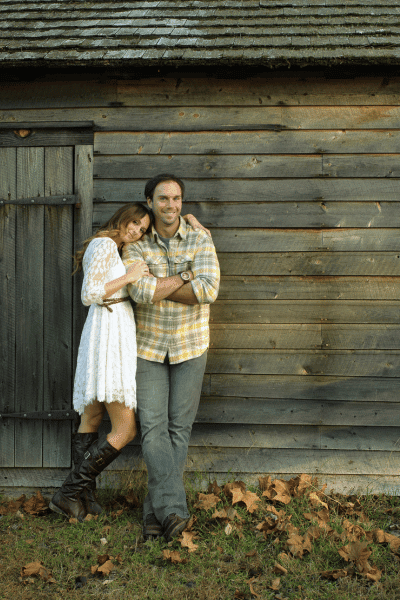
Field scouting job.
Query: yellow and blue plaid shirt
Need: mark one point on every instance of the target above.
(181, 330)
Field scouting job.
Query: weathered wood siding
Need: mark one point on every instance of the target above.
(298, 179)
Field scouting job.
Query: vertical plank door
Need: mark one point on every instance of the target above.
(41, 222)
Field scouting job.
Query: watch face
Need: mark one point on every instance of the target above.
(185, 276)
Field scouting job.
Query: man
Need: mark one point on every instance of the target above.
(172, 315)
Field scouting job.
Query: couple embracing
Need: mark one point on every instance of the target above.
(169, 267)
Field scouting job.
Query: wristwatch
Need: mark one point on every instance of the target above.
(185, 276)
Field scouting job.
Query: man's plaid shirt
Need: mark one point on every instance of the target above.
(182, 330)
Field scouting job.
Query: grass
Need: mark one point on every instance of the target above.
(233, 560)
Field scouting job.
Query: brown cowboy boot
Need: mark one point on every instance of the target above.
(67, 500)
(80, 443)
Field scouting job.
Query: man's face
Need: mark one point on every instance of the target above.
(167, 203)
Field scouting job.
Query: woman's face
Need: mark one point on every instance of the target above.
(134, 230)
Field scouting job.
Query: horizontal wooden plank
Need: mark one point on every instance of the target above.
(249, 165)
(308, 288)
(342, 484)
(283, 214)
(363, 336)
(222, 118)
(248, 142)
(263, 190)
(315, 461)
(348, 363)
(14, 482)
(359, 165)
(46, 137)
(268, 460)
(306, 240)
(310, 264)
(242, 335)
(33, 478)
(361, 438)
(294, 412)
(305, 311)
(384, 439)
(183, 89)
(268, 90)
(65, 92)
(222, 435)
(306, 387)
(37, 200)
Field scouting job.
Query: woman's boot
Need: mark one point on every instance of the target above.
(82, 442)
(67, 500)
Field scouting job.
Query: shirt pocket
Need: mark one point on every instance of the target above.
(158, 266)
(183, 262)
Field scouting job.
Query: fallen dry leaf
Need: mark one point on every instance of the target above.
(300, 484)
(275, 584)
(213, 488)
(335, 574)
(105, 568)
(279, 569)
(250, 499)
(316, 501)
(357, 553)
(36, 505)
(234, 485)
(11, 507)
(228, 529)
(226, 514)
(278, 491)
(173, 556)
(297, 545)
(207, 501)
(374, 574)
(187, 540)
(252, 590)
(36, 569)
(382, 537)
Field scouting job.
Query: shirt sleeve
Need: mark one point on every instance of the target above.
(205, 268)
(98, 259)
(142, 291)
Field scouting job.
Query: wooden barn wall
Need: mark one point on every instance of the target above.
(298, 179)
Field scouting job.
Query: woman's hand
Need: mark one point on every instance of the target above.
(193, 222)
(136, 271)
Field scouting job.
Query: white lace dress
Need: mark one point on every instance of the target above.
(106, 365)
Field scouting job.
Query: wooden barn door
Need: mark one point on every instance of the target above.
(45, 211)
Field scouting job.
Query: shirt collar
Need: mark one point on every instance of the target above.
(182, 231)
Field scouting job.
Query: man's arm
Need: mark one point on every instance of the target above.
(204, 275)
(185, 295)
(148, 290)
(167, 286)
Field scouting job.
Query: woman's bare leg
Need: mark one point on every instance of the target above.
(92, 417)
(123, 424)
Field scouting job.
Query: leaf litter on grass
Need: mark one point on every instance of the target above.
(291, 523)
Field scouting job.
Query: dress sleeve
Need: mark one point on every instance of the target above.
(99, 258)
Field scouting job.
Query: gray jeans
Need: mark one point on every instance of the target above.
(168, 398)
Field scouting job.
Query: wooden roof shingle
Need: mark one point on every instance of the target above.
(199, 32)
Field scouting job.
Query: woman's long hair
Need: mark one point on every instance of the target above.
(125, 215)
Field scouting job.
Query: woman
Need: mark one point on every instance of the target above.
(106, 365)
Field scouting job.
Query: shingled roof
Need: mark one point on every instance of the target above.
(199, 32)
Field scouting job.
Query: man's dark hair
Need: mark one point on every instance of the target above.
(153, 183)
